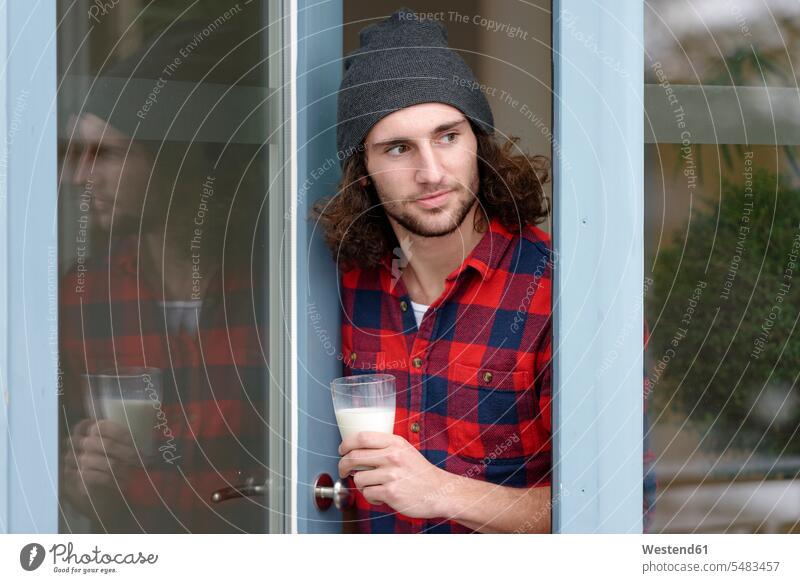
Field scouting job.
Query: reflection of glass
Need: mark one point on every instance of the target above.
(166, 120)
(130, 398)
(722, 210)
(364, 403)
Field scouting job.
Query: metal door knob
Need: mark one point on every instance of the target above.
(326, 492)
(249, 488)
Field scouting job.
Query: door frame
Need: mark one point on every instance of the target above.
(598, 55)
(597, 393)
(598, 354)
(29, 371)
(317, 53)
(29, 271)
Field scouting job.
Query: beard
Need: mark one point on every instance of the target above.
(416, 224)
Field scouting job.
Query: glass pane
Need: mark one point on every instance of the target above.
(744, 43)
(165, 142)
(723, 239)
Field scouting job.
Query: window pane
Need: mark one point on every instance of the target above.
(165, 139)
(723, 237)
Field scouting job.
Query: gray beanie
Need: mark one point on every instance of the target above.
(127, 96)
(403, 60)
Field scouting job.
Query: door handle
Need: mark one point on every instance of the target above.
(326, 492)
(249, 488)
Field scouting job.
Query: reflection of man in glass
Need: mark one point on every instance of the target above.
(163, 280)
(465, 323)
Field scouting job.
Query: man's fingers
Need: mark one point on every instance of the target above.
(108, 430)
(82, 427)
(90, 461)
(366, 440)
(89, 478)
(374, 494)
(366, 478)
(361, 457)
(110, 448)
(99, 463)
(112, 430)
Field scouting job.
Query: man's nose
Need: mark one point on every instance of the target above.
(429, 167)
(82, 170)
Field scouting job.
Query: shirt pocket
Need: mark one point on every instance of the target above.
(363, 361)
(492, 413)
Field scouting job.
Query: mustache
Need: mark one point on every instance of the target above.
(432, 193)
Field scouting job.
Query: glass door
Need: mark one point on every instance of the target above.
(722, 203)
(171, 244)
(190, 294)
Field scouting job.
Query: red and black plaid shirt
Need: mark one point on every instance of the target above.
(213, 383)
(474, 381)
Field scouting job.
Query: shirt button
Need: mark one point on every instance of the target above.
(417, 362)
(487, 377)
(353, 356)
(404, 306)
(415, 427)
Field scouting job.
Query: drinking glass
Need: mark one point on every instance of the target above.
(364, 403)
(131, 398)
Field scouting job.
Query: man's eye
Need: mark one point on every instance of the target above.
(106, 152)
(450, 138)
(394, 149)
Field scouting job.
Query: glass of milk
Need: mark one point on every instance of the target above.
(364, 403)
(131, 398)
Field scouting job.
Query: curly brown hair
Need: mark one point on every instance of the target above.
(358, 231)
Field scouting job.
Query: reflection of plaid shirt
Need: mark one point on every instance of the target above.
(213, 383)
(474, 382)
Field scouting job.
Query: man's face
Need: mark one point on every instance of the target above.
(423, 162)
(106, 165)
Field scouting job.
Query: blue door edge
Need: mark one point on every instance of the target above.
(29, 369)
(598, 222)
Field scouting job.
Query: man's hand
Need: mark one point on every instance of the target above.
(401, 478)
(410, 484)
(99, 457)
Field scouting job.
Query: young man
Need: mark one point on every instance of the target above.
(446, 284)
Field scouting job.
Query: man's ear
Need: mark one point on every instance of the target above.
(363, 181)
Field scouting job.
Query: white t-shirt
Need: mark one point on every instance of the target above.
(181, 314)
(419, 311)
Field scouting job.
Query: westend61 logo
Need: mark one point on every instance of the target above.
(65, 560)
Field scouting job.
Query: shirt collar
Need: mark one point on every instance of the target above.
(487, 254)
(485, 257)
(125, 255)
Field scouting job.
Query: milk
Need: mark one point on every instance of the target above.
(351, 421)
(356, 419)
(138, 415)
